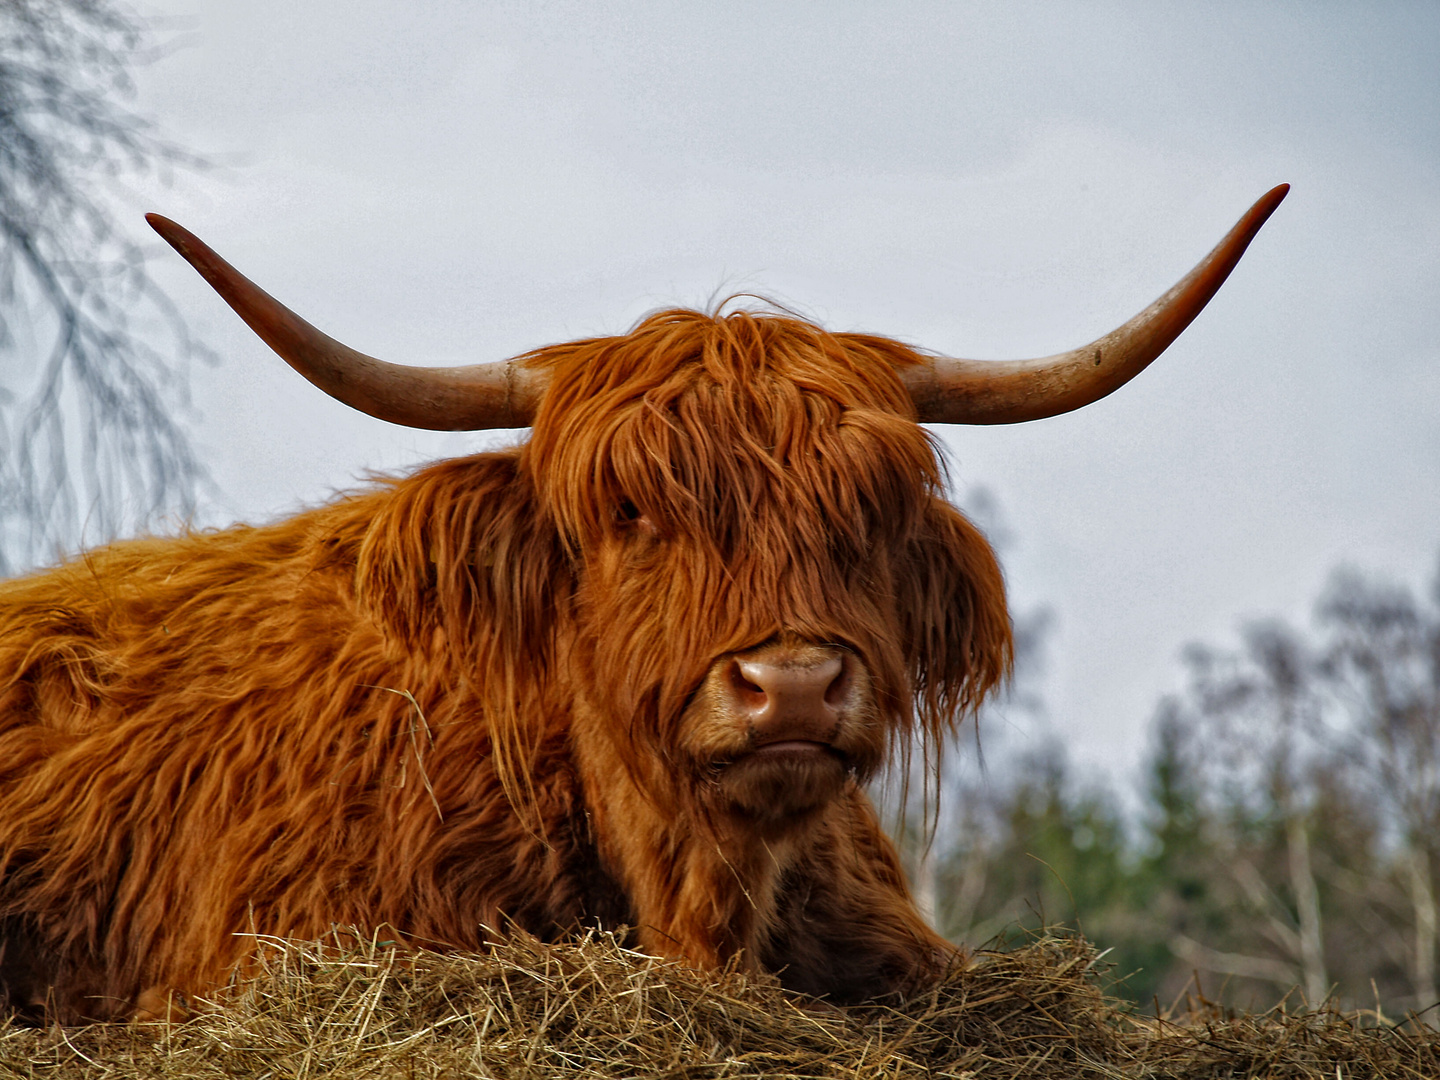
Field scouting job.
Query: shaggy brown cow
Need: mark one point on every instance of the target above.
(633, 672)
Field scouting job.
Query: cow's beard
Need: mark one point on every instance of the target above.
(780, 788)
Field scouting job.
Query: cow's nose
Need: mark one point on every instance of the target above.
(789, 702)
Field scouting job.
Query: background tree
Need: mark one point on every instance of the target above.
(1316, 763)
(92, 354)
(1261, 712)
(1383, 662)
(1286, 834)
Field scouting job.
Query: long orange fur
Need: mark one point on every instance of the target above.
(465, 698)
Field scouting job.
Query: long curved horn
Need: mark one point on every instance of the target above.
(498, 395)
(952, 391)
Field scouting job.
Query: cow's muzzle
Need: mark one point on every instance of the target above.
(783, 726)
(790, 704)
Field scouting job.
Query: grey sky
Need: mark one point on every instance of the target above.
(452, 182)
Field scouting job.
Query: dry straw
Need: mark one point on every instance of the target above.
(595, 1009)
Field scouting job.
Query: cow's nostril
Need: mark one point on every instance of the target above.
(839, 685)
(749, 693)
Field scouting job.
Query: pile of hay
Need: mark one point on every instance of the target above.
(594, 1009)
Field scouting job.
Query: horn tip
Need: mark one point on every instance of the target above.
(1258, 214)
(171, 232)
(1274, 197)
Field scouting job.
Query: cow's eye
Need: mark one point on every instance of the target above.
(628, 516)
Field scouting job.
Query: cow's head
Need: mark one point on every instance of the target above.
(767, 572)
(765, 584)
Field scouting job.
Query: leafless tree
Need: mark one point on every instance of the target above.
(1266, 709)
(1384, 659)
(92, 354)
(1318, 757)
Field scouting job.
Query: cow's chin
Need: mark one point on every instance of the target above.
(784, 784)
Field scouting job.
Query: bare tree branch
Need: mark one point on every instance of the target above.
(91, 444)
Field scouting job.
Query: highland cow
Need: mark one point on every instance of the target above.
(634, 672)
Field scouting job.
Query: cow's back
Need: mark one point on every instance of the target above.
(130, 680)
(213, 734)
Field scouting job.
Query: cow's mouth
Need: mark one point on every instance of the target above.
(795, 748)
(783, 752)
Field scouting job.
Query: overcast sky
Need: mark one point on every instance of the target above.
(453, 182)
